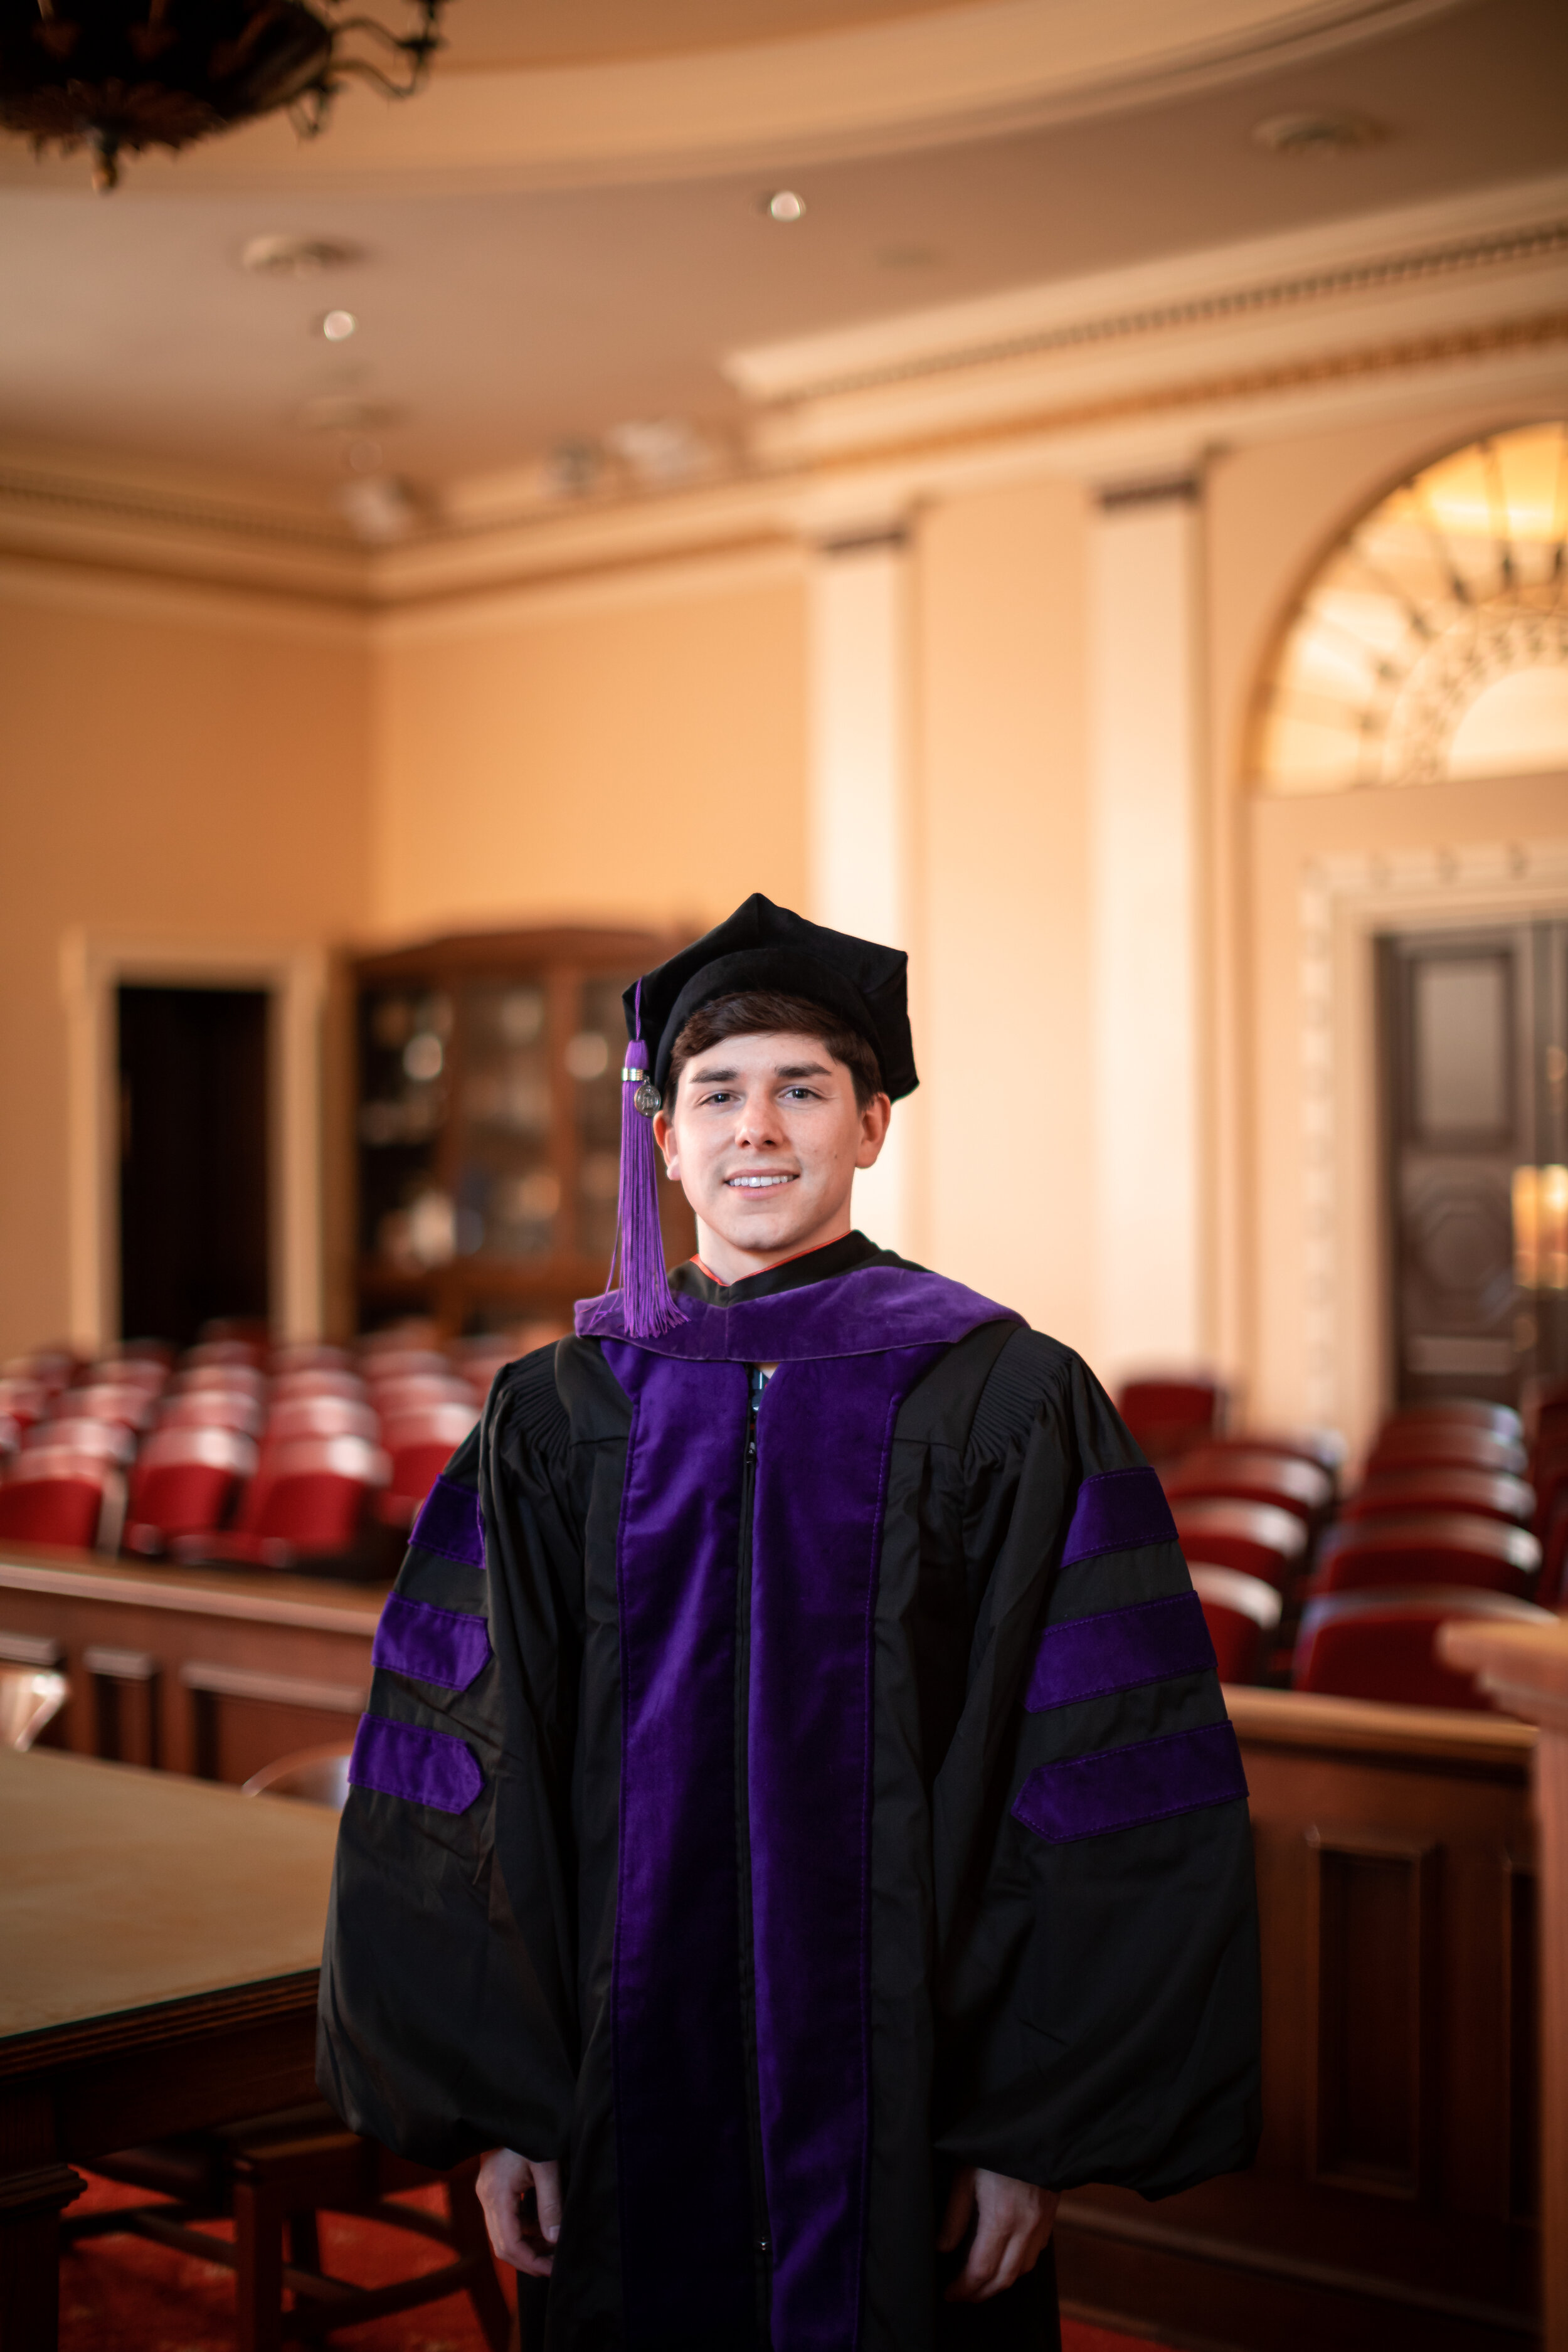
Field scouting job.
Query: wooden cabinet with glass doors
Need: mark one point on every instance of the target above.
(487, 1126)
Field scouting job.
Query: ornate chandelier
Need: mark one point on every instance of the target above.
(114, 75)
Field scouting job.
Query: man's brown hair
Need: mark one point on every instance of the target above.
(766, 1011)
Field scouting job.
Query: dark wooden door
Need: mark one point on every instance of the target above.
(193, 1189)
(1474, 1029)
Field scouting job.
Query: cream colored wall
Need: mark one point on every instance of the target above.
(634, 754)
(1002, 950)
(172, 779)
(1271, 511)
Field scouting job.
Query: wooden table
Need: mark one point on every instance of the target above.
(159, 1945)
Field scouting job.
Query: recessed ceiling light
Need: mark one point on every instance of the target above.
(784, 204)
(339, 325)
(295, 256)
(1326, 130)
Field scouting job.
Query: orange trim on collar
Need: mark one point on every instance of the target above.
(794, 1259)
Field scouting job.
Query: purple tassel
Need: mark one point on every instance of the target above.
(647, 1301)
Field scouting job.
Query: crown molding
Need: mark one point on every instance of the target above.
(1447, 245)
(948, 74)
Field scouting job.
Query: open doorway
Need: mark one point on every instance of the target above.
(195, 1192)
(1475, 1067)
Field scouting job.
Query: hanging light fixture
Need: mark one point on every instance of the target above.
(117, 75)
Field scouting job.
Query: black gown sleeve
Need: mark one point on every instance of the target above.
(1097, 1986)
(447, 2019)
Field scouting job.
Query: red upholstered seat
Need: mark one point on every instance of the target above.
(126, 1401)
(1258, 1539)
(1404, 1445)
(321, 1381)
(1167, 1416)
(1443, 1486)
(1380, 1644)
(110, 1440)
(415, 1391)
(1242, 1615)
(420, 1445)
(1304, 1488)
(1428, 1547)
(23, 1401)
(49, 1495)
(1550, 1480)
(184, 1483)
(319, 1416)
(228, 1377)
(308, 1500)
(309, 1356)
(1553, 1589)
(237, 1409)
(1476, 1413)
(379, 1364)
(229, 1349)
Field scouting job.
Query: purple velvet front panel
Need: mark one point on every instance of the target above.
(1118, 1510)
(446, 1646)
(1119, 1649)
(1087, 1796)
(404, 1760)
(824, 1436)
(449, 1523)
(682, 2139)
(873, 1309)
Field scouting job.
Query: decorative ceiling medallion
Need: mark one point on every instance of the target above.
(114, 75)
(1433, 641)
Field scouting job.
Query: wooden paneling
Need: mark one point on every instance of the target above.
(1390, 2207)
(1525, 1669)
(190, 1669)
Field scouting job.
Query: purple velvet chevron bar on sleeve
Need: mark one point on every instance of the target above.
(1117, 1649)
(449, 1523)
(1087, 1796)
(402, 1759)
(447, 1646)
(1117, 1511)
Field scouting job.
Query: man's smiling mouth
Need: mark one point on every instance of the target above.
(756, 1183)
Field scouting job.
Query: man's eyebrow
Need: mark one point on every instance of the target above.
(707, 1077)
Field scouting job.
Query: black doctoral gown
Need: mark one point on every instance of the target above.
(774, 1795)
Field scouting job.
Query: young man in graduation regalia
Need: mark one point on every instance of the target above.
(796, 1832)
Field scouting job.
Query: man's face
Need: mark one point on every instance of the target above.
(764, 1138)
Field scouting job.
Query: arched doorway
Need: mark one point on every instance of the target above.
(1430, 646)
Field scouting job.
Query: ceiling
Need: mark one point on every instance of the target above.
(495, 325)
(487, 33)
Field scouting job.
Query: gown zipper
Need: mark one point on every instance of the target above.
(761, 2236)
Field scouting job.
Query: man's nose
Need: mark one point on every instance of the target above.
(758, 1123)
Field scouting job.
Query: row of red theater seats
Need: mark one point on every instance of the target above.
(1462, 1511)
(236, 1453)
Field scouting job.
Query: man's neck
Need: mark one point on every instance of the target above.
(726, 1265)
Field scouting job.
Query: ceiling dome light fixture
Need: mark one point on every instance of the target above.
(114, 75)
(784, 204)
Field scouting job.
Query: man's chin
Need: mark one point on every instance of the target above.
(763, 1232)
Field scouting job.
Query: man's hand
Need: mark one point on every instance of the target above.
(519, 2237)
(1012, 2230)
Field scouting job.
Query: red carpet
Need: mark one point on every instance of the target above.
(123, 2295)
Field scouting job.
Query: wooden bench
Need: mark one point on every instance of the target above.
(1393, 2207)
(194, 1670)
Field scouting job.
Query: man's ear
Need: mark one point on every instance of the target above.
(664, 1136)
(874, 1121)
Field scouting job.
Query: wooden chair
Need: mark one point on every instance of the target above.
(1254, 1474)
(1168, 1416)
(1466, 1444)
(1257, 1539)
(276, 2174)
